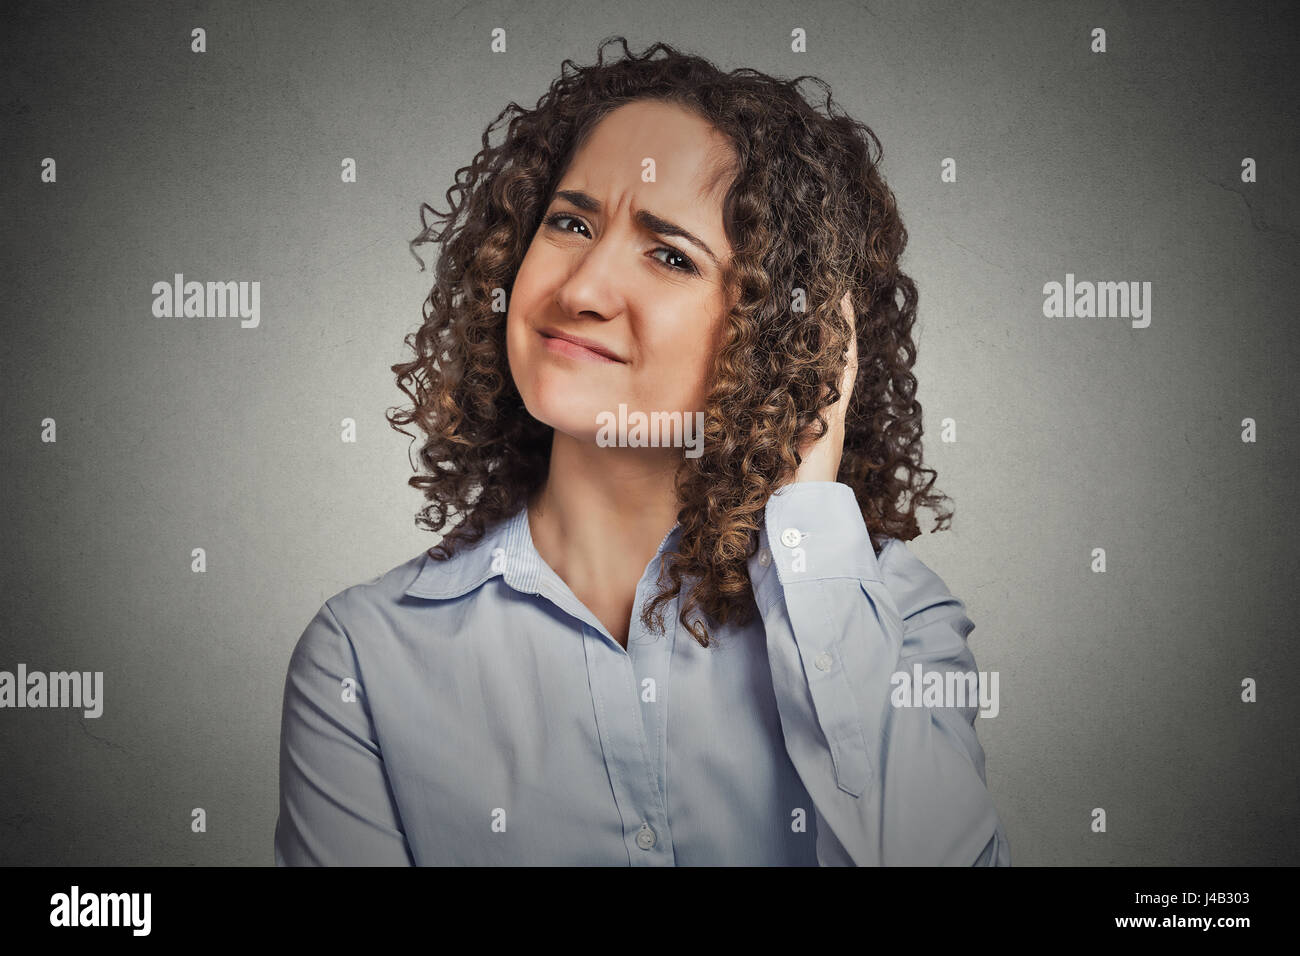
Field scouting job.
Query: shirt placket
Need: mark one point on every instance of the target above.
(634, 764)
(651, 656)
(635, 768)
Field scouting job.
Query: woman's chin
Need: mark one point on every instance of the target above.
(583, 432)
(564, 413)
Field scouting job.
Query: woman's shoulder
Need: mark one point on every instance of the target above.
(374, 604)
(386, 587)
(407, 593)
(373, 620)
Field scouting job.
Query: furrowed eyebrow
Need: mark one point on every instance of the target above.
(644, 219)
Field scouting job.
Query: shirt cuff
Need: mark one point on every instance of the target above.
(812, 530)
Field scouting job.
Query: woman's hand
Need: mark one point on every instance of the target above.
(821, 457)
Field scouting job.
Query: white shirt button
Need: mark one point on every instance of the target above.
(765, 557)
(790, 537)
(823, 661)
(645, 837)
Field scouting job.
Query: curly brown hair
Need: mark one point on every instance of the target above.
(808, 216)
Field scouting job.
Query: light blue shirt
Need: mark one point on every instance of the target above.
(475, 712)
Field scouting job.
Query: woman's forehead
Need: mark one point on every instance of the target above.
(657, 142)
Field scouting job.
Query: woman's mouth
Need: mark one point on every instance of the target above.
(575, 347)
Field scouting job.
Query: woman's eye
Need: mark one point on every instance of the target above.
(683, 261)
(554, 221)
(687, 267)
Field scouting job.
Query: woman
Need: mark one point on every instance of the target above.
(660, 241)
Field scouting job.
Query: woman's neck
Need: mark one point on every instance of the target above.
(602, 514)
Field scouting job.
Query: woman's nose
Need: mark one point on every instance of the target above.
(595, 284)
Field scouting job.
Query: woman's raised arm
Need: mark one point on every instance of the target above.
(891, 785)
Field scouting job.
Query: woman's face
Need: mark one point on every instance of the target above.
(611, 263)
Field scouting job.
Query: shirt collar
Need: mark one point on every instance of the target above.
(506, 549)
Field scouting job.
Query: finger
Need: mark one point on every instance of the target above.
(851, 356)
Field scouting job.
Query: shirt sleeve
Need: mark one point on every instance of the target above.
(336, 804)
(891, 785)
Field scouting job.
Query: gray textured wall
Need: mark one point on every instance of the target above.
(1118, 690)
